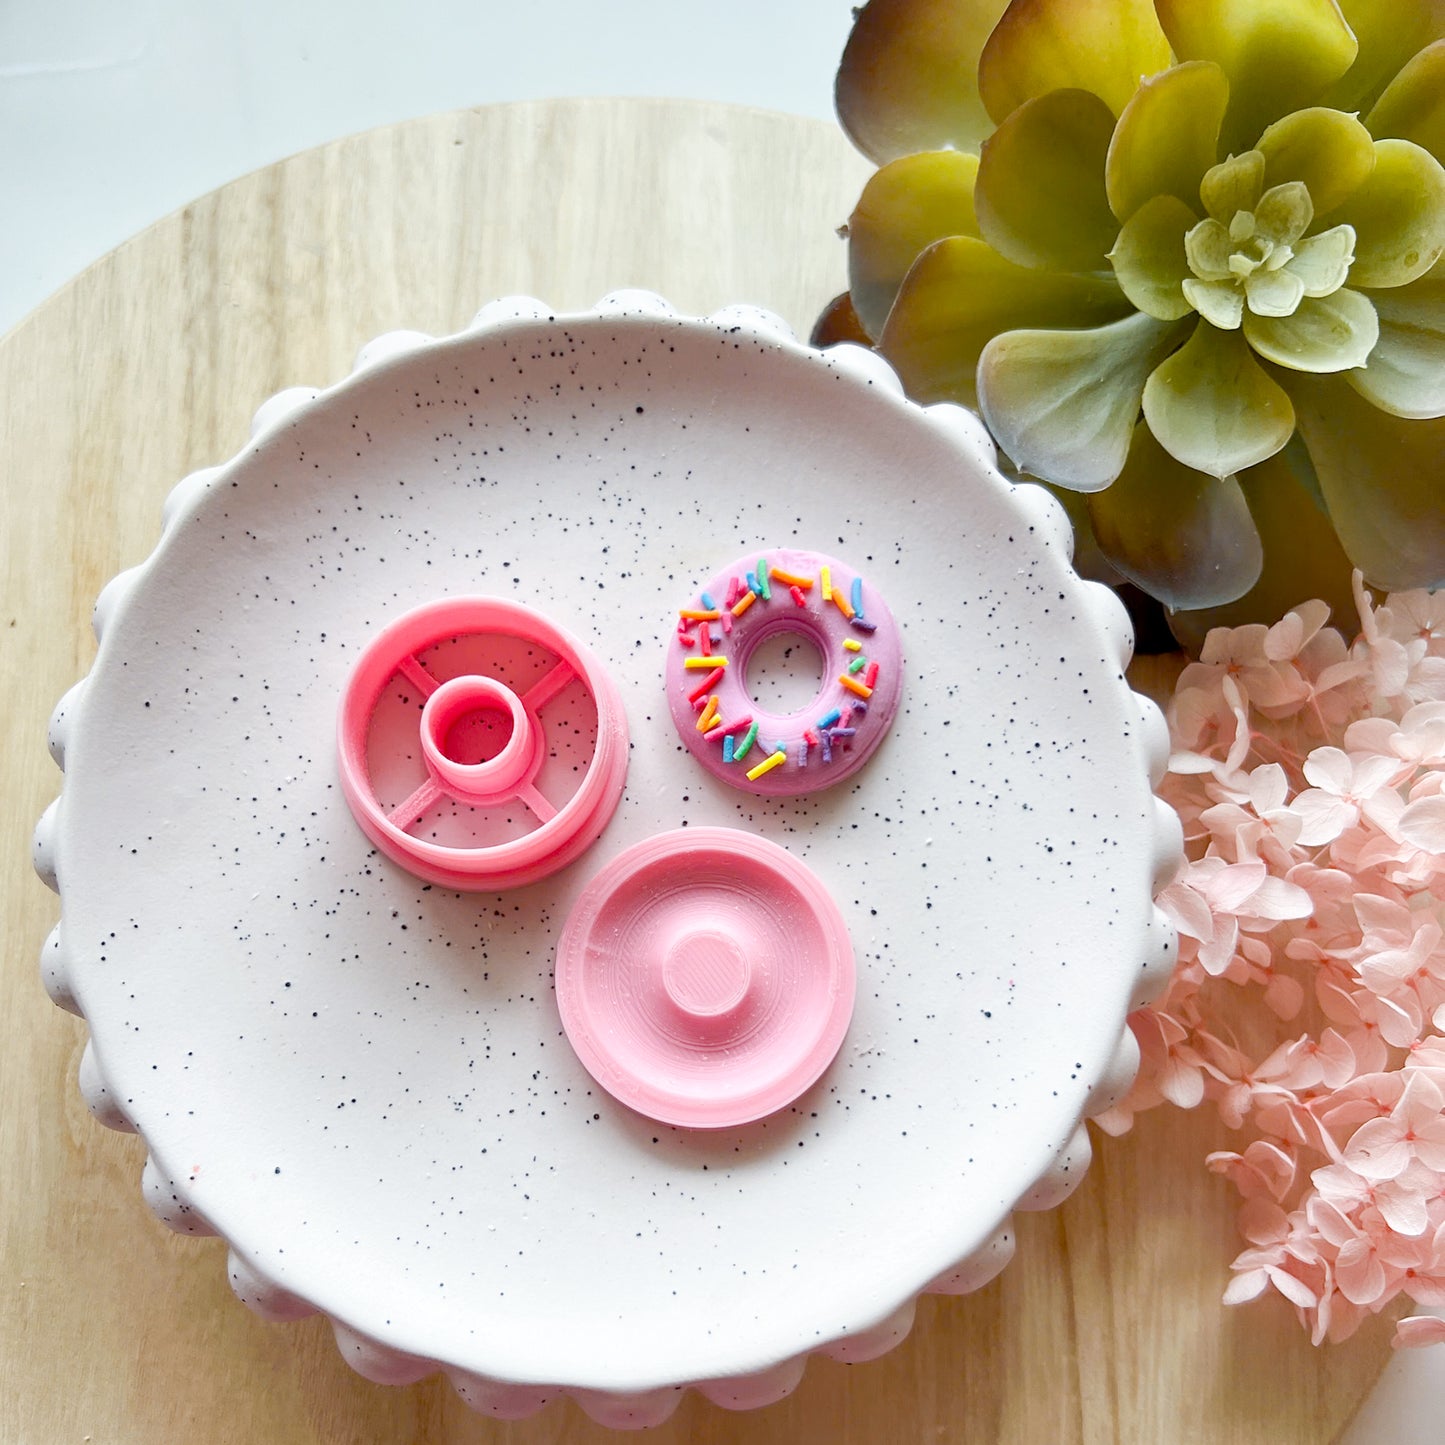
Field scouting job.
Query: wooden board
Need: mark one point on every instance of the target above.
(1107, 1327)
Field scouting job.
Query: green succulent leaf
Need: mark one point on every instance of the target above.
(1381, 481)
(1277, 54)
(1102, 46)
(1207, 249)
(1214, 408)
(908, 78)
(905, 207)
(1325, 333)
(1149, 257)
(1406, 373)
(1233, 185)
(1185, 538)
(1273, 293)
(1220, 303)
(1284, 213)
(1322, 262)
(1303, 558)
(960, 294)
(1398, 215)
(1166, 138)
(1329, 151)
(1063, 404)
(1040, 194)
(1388, 32)
(1413, 105)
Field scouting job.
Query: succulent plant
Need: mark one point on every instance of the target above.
(1185, 259)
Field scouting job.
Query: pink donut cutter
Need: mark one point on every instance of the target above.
(705, 977)
(456, 769)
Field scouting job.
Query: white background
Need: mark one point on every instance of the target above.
(115, 112)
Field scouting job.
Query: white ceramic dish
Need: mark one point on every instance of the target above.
(361, 1082)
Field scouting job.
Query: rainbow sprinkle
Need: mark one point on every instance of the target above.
(764, 590)
(861, 689)
(741, 750)
(790, 579)
(728, 753)
(852, 644)
(694, 663)
(712, 606)
(743, 603)
(706, 685)
(796, 593)
(857, 665)
(774, 760)
(735, 727)
(842, 604)
(855, 596)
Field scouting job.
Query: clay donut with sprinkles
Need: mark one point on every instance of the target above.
(784, 591)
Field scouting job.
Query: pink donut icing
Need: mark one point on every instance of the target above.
(719, 630)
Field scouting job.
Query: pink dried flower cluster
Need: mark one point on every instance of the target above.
(1309, 775)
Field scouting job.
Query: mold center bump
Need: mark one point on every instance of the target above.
(705, 973)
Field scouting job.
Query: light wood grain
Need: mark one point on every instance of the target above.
(1107, 1327)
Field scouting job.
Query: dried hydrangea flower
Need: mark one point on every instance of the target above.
(1307, 1003)
(1211, 300)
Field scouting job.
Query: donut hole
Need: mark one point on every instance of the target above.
(784, 672)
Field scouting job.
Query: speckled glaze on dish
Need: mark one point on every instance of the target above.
(361, 1082)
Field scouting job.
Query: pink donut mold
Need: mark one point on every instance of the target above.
(809, 595)
(457, 770)
(705, 977)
